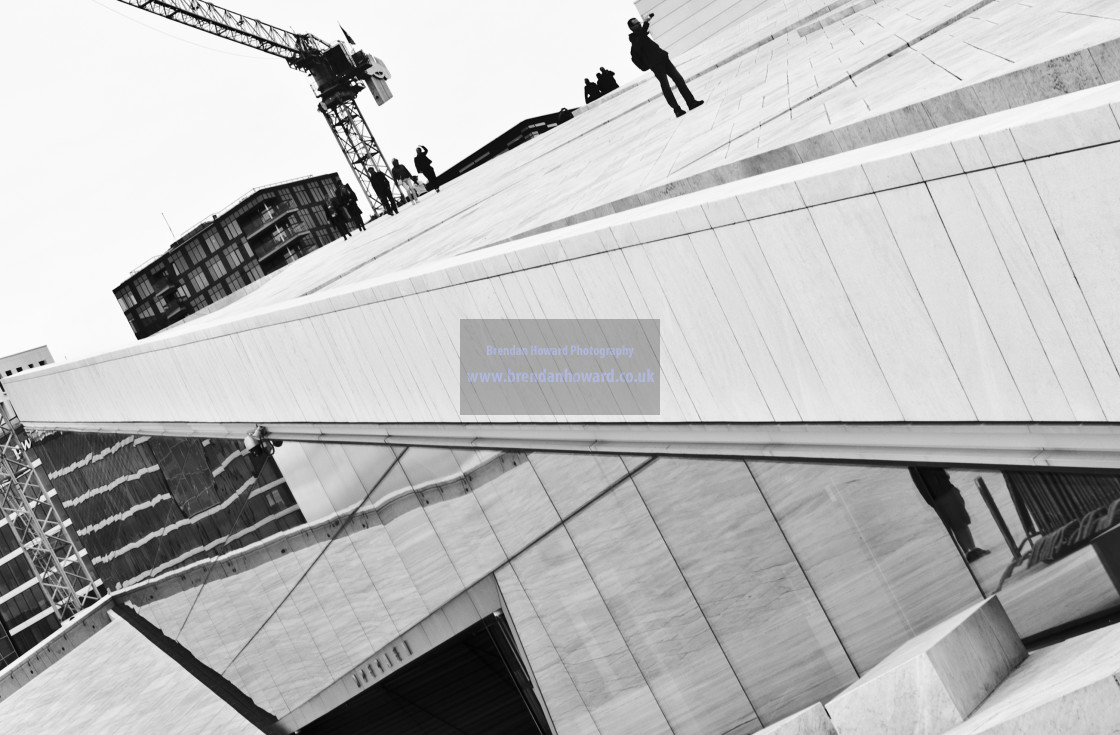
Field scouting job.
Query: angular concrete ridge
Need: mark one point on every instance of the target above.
(936, 680)
(1071, 687)
(809, 721)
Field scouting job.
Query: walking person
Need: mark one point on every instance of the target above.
(405, 178)
(648, 56)
(424, 166)
(336, 215)
(945, 498)
(383, 189)
(590, 90)
(350, 202)
(606, 81)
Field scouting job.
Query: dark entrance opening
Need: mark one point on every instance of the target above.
(473, 684)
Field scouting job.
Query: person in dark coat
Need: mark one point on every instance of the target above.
(590, 90)
(647, 55)
(336, 214)
(606, 81)
(350, 202)
(383, 189)
(424, 166)
(945, 498)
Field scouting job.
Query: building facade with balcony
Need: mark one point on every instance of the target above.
(257, 235)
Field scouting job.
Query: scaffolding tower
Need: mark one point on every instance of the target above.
(55, 560)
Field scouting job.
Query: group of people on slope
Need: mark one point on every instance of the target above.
(406, 180)
(644, 52)
(647, 56)
(604, 83)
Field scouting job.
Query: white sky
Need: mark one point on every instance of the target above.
(113, 117)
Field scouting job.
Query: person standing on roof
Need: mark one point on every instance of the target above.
(336, 214)
(383, 189)
(606, 81)
(350, 202)
(590, 90)
(404, 178)
(648, 56)
(424, 166)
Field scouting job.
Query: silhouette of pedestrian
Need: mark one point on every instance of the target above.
(405, 179)
(424, 166)
(383, 189)
(606, 81)
(590, 90)
(350, 202)
(336, 214)
(648, 56)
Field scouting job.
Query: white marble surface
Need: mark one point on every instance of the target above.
(812, 720)
(877, 557)
(118, 683)
(747, 582)
(935, 680)
(1070, 687)
(588, 641)
(652, 605)
(338, 371)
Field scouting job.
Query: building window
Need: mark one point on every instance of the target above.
(179, 263)
(217, 292)
(254, 271)
(320, 216)
(235, 282)
(144, 287)
(147, 312)
(195, 251)
(213, 241)
(126, 298)
(42, 362)
(317, 192)
(301, 196)
(232, 230)
(198, 303)
(198, 280)
(235, 256)
(216, 267)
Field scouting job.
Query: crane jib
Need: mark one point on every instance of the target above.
(234, 26)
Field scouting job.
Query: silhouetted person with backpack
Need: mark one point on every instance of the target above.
(590, 90)
(648, 56)
(606, 81)
(424, 166)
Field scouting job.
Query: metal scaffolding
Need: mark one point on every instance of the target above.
(358, 145)
(54, 558)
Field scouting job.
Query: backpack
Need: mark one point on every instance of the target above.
(638, 57)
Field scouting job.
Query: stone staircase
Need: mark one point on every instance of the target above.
(971, 675)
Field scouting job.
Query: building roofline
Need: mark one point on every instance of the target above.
(202, 224)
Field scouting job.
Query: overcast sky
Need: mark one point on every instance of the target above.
(114, 118)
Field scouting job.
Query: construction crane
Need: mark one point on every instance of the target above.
(338, 70)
